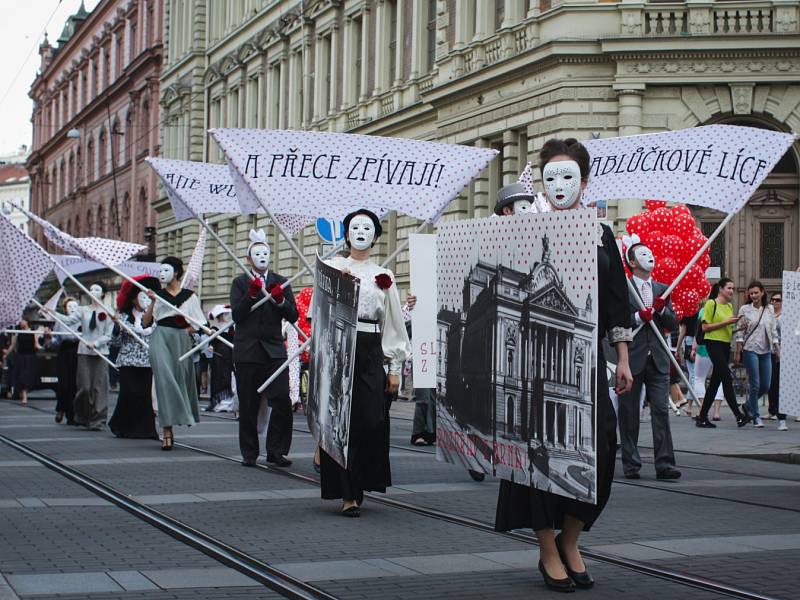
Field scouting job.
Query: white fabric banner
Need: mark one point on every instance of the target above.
(198, 188)
(424, 349)
(23, 268)
(716, 166)
(78, 265)
(790, 345)
(330, 174)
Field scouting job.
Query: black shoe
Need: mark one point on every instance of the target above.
(557, 585)
(59, 416)
(582, 580)
(705, 423)
(668, 473)
(248, 463)
(633, 475)
(476, 475)
(279, 461)
(353, 512)
(743, 420)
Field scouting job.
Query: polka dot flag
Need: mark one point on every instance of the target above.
(194, 270)
(790, 344)
(101, 250)
(23, 268)
(310, 172)
(716, 166)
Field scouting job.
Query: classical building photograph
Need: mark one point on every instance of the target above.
(518, 368)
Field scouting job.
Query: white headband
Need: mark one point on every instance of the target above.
(631, 241)
(257, 237)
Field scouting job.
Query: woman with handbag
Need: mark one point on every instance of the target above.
(756, 339)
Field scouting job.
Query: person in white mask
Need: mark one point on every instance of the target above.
(381, 338)
(564, 165)
(258, 351)
(176, 390)
(66, 365)
(133, 415)
(516, 199)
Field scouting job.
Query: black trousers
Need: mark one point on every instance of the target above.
(774, 390)
(720, 355)
(249, 377)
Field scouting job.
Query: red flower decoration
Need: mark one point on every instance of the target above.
(180, 321)
(383, 281)
(102, 316)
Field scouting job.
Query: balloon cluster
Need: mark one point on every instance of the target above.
(674, 238)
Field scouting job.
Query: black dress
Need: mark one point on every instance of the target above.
(520, 506)
(222, 370)
(368, 450)
(25, 374)
(67, 368)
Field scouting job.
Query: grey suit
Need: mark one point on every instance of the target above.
(650, 364)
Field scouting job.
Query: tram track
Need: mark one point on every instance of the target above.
(230, 556)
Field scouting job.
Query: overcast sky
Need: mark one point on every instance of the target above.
(21, 31)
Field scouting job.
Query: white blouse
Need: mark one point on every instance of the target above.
(379, 305)
(191, 307)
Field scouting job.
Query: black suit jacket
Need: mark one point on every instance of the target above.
(646, 339)
(258, 335)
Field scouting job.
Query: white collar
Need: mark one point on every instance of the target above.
(640, 282)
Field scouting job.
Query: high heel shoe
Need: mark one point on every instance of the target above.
(582, 580)
(557, 585)
(743, 420)
(166, 443)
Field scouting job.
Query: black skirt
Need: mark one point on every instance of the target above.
(24, 374)
(368, 450)
(520, 506)
(67, 369)
(133, 416)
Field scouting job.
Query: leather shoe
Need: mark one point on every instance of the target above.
(668, 473)
(582, 580)
(633, 475)
(557, 585)
(279, 461)
(248, 463)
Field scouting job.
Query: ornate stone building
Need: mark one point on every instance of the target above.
(95, 119)
(506, 74)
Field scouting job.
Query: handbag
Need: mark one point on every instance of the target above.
(700, 335)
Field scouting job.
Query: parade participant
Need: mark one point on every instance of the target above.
(565, 173)
(259, 351)
(222, 394)
(756, 340)
(66, 365)
(133, 415)
(23, 374)
(97, 328)
(514, 199)
(774, 387)
(650, 365)
(717, 325)
(176, 392)
(381, 338)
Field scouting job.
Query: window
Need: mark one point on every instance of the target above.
(90, 160)
(101, 153)
(431, 38)
(132, 41)
(771, 245)
(100, 224)
(116, 134)
(717, 250)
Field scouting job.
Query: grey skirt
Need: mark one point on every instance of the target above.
(176, 390)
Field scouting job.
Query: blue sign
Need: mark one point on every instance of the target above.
(329, 230)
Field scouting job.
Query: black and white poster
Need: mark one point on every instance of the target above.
(334, 315)
(517, 342)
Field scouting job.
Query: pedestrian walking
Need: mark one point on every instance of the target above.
(774, 387)
(66, 365)
(221, 379)
(718, 327)
(133, 415)
(756, 341)
(565, 172)
(24, 375)
(176, 390)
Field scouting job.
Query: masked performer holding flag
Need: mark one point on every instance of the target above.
(176, 392)
(258, 350)
(565, 172)
(381, 338)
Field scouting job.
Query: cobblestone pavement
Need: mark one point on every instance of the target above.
(729, 519)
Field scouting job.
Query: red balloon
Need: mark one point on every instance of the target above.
(682, 209)
(682, 225)
(704, 261)
(655, 204)
(666, 270)
(638, 224)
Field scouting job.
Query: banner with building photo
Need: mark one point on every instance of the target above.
(517, 324)
(334, 315)
(790, 344)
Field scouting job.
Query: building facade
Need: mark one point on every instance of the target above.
(506, 74)
(95, 119)
(15, 187)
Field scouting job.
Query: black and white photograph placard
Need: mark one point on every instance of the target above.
(517, 324)
(334, 315)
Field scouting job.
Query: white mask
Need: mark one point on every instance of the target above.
(562, 183)
(96, 291)
(166, 274)
(361, 232)
(72, 307)
(143, 299)
(523, 206)
(259, 254)
(644, 258)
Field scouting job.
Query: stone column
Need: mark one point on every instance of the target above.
(350, 53)
(463, 24)
(510, 156)
(381, 65)
(484, 20)
(261, 100)
(333, 69)
(629, 99)
(365, 52)
(419, 34)
(283, 82)
(484, 205)
(320, 68)
(399, 45)
(513, 12)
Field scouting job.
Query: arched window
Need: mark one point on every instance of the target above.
(69, 226)
(71, 172)
(102, 154)
(116, 134)
(62, 177)
(144, 134)
(101, 222)
(141, 214)
(127, 139)
(90, 160)
(77, 231)
(78, 169)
